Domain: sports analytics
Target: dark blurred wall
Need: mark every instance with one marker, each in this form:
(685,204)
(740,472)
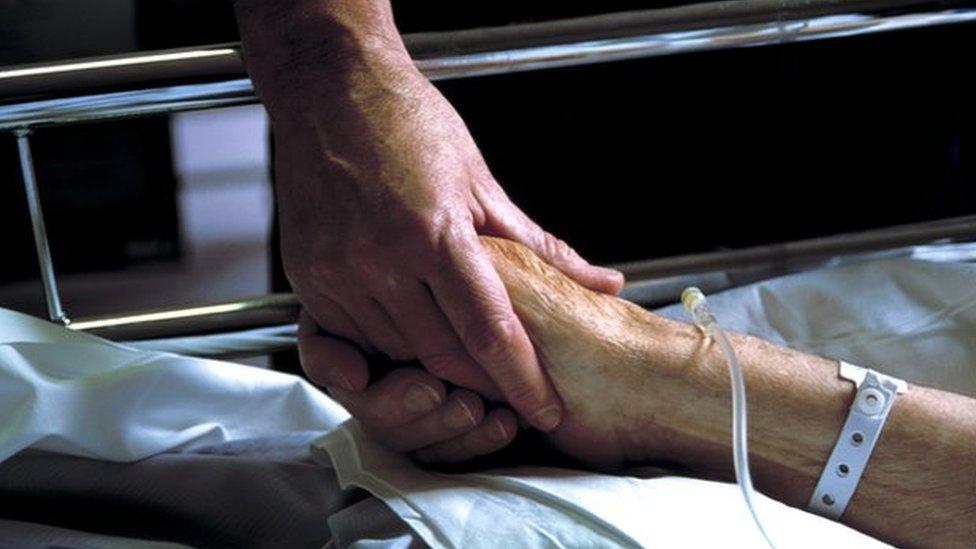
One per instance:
(108,190)
(771,144)
(48,30)
(776,143)
(108,193)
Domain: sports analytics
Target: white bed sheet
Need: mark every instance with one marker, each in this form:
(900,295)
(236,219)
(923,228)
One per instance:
(914,319)
(73,393)
(76,394)
(908,318)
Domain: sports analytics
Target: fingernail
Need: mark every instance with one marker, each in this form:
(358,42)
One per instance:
(459,416)
(338,378)
(420,398)
(612,274)
(547,418)
(497,432)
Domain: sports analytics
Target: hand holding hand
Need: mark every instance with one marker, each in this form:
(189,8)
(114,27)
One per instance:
(383,194)
(408,409)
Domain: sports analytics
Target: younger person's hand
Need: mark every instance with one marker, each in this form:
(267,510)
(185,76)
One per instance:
(408,409)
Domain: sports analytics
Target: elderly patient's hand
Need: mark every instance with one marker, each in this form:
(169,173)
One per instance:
(595,348)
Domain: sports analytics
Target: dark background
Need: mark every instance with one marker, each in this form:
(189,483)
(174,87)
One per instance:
(628,160)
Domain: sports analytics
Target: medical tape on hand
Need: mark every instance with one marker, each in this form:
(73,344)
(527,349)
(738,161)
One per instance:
(875,396)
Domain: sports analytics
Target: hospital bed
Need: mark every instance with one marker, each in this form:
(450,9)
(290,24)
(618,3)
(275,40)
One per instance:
(158,83)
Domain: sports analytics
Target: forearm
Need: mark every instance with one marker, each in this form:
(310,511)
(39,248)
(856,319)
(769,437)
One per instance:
(296,50)
(641,388)
(920,485)
(342,94)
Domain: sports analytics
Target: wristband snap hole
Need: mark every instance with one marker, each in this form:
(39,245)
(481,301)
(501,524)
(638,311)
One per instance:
(857,438)
(843,469)
(871,401)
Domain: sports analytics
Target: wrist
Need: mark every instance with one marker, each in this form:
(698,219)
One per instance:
(363,85)
(796,406)
(673,377)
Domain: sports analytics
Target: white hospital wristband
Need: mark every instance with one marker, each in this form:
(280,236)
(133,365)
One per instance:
(875,395)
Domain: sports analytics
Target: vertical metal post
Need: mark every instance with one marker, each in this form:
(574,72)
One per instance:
(54,310)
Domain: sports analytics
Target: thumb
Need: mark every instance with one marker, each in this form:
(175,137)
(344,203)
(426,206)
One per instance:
(506,220)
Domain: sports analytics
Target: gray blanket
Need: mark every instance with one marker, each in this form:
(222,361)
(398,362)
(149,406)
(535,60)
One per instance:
(252,493)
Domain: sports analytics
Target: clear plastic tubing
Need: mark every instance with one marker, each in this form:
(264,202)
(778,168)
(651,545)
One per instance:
(694,301)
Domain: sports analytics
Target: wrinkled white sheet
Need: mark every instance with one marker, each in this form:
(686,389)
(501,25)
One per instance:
(911,319)
(553,507)
(76,394)
(72,393)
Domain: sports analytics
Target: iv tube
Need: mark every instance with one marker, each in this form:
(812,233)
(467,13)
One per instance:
(694,301)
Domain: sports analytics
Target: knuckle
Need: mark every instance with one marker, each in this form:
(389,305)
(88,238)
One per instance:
(449,233)
(440,364)
(440,221)
(521,394)
(428,232)
(492,342)
(556,248)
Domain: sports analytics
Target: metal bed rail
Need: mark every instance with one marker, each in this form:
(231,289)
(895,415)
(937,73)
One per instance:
(213,76)
(649,282)
(93,90)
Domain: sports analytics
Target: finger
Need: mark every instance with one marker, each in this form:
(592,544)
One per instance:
(505,219)
(494,433)
(432,338)
(329,361)
(462,412)
(377,326)
(400,397)
(332,317)
(475,302)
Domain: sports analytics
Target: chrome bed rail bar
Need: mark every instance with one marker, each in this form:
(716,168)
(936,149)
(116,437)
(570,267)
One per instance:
(797,252)
(89,90)
(92,90)
(239,314)
(649,282)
